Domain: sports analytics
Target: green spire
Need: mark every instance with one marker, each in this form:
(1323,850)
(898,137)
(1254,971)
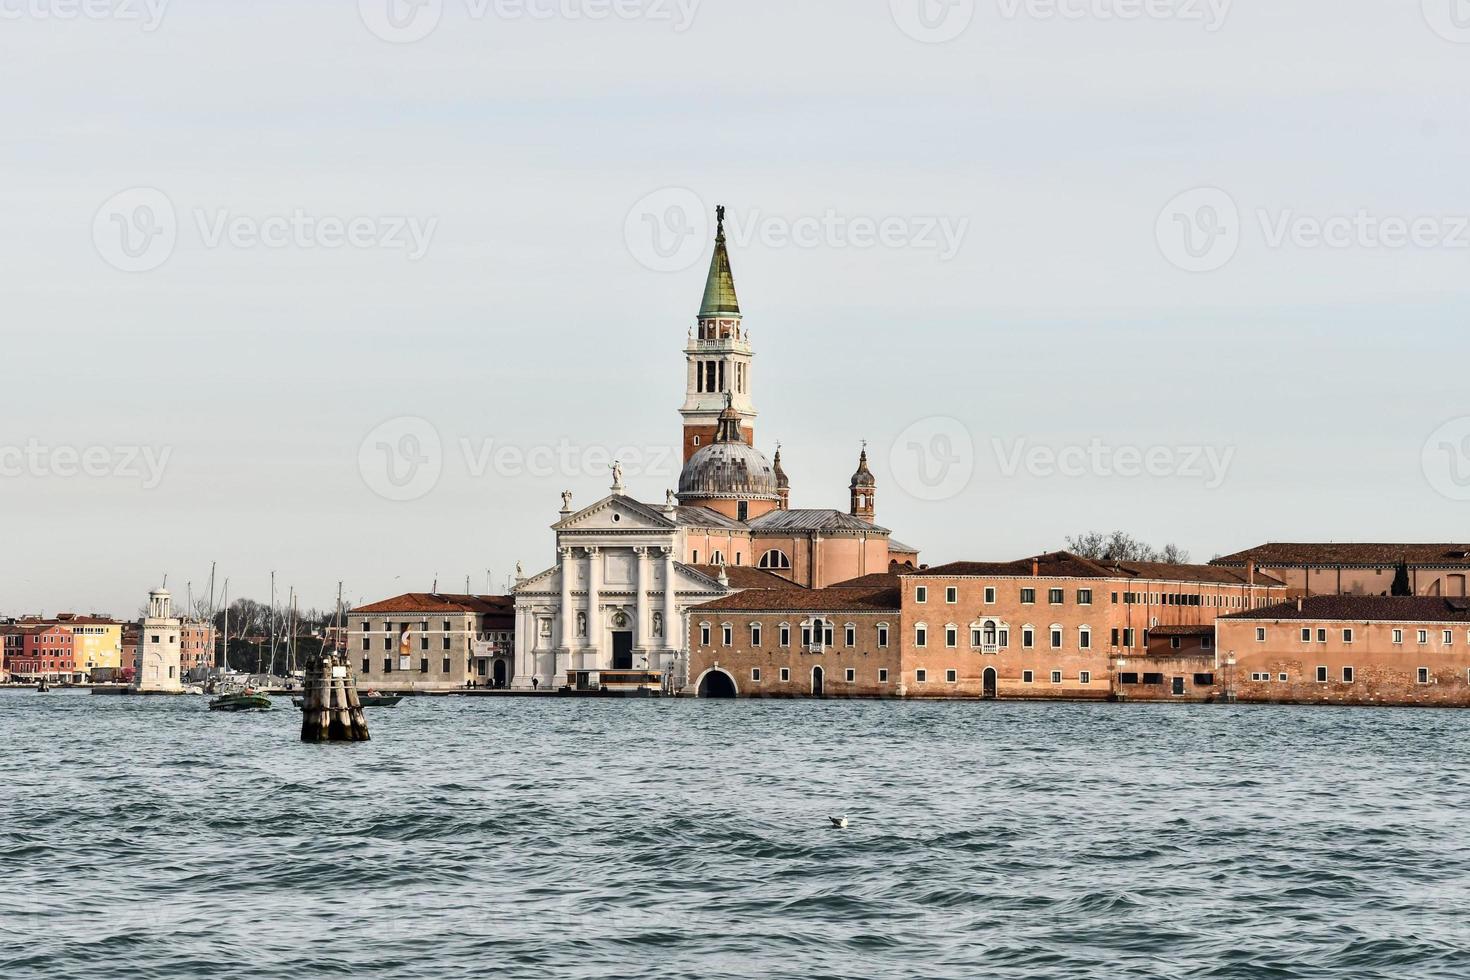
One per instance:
(719,289)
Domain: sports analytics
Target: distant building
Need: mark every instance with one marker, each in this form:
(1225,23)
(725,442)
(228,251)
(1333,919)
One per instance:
(1362,650)
(1359,569)
(41,651)
(428,641)
(196,649)
(159,666)
(97,644)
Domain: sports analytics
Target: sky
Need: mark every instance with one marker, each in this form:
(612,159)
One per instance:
(350,290)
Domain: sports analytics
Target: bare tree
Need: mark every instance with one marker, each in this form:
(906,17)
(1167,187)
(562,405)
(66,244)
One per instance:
(1121,546)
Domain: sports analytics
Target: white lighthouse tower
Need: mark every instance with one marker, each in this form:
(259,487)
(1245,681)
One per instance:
(159,661)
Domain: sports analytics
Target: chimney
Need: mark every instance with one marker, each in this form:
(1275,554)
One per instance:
(1035,567)
(1250,572)
(1298,603)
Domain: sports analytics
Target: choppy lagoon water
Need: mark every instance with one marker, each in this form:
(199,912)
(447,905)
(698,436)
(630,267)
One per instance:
(146,838)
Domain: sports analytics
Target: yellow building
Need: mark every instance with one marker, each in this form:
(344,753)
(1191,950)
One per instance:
(97,643)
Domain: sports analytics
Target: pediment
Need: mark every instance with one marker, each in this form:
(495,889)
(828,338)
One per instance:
(616,513)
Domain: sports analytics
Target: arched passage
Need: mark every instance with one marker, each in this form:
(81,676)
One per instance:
(988,680)
(819,678)
(716,684)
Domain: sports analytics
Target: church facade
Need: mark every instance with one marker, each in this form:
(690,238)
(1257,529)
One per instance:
(611,612)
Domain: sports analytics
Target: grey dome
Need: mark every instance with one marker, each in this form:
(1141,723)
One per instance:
(728,469)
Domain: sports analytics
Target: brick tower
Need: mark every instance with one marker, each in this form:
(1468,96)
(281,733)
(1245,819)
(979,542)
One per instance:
(718,357)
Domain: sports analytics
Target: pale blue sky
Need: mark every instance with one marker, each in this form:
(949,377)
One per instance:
(530,320)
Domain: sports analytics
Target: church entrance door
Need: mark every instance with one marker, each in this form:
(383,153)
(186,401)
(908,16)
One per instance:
(622,658)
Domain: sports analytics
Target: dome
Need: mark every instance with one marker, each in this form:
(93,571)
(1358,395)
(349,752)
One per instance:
(728,469)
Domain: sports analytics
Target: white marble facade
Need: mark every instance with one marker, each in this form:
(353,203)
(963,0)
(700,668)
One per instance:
(606,604)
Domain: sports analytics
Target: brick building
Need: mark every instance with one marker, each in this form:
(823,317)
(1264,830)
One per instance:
(429,641)
(1365,650)
(1359,569)
(42,651)
(794,642)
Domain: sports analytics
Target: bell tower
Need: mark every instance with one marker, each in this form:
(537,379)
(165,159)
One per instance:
(863,490)
(718,357)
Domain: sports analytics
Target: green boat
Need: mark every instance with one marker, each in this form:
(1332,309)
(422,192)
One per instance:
(241,701)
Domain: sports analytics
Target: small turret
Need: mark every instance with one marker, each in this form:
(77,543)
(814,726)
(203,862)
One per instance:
(783,485)
(863,490)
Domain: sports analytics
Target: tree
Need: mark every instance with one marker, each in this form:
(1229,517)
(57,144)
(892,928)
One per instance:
(1120,546)
(1401,583)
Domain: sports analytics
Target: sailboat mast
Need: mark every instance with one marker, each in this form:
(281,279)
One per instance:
(225,653)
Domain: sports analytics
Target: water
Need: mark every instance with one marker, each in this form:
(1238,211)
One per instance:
(147,838)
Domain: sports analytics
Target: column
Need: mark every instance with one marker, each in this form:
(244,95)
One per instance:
(566,619)
(592,645)
(671,642)
(641,582)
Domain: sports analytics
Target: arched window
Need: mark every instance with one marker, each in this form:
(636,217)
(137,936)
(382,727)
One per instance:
(775,559)
(718,558)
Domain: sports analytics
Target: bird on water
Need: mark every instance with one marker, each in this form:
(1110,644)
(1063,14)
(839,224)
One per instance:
(839,822)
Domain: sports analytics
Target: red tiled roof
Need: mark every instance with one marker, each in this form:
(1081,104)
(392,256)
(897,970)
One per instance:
(1167,631)
(425,602)
(1362,608)
(877,580)
(797,600)
(1062,564)
(745,577)
(1349,553)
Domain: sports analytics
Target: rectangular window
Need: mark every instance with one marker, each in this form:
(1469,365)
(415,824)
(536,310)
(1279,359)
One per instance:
(951,676)
(1084,597)
(1306,635)
(921,636)
(727,634)
(1056,638)
(1128,637)
(882,636)
(951,637)
(1128,678)
(990,595)
(785,674)
(1347,635)
(445,669)
(704,633)
(1114,638)
(423,665)
(1005,638)
(1398,636)
(755,675)
(1028,596)
(1423,636)
(447,627)
(755,634)
(1054,596)
(387,665)
(387,643)
(1056,677)
(1084,639)
(1449,638)
(882,675)
(1153,678)
(785,635)
(851,675)
(367,644)
(1260,634)
(974,636)
(423,643)
(366,665)
(849,635)
(1085,677)
(1173,643)
(1321,675)
(921,676)
(446,643)
(1283,678)
(1028,677)
(1206,680)
(1347,675)
(951,595)
(1321,636)
(1423,675)
(1028,638)
(921,593)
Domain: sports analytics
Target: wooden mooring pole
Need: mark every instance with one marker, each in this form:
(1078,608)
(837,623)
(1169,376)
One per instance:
(331,711)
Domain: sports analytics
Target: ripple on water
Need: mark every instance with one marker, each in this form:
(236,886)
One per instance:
(678,839)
